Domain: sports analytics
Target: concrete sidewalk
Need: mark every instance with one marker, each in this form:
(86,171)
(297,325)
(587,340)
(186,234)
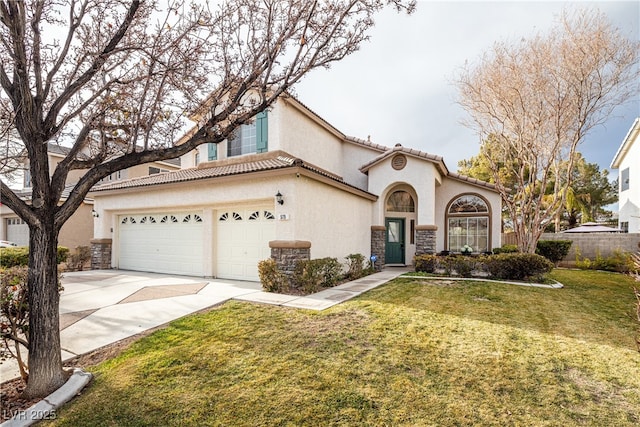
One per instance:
(100,307)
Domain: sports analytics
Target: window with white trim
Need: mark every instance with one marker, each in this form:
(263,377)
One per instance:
(468,224)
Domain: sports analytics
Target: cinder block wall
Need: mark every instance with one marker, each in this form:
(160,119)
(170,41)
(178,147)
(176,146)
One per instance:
(592,244)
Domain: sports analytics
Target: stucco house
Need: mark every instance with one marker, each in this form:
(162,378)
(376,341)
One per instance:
(290,186)
(627,161)
(78,230)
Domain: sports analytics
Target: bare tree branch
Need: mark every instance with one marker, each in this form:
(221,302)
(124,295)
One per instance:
(539,98)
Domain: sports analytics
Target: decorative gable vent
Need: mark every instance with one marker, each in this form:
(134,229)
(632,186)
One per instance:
(399,161)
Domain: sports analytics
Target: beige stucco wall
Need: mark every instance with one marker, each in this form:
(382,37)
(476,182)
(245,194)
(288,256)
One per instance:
(311,211)
(451,189)
(336,222)
(353,158)
(302,137)
(78,230)
(420,175)
(306,137)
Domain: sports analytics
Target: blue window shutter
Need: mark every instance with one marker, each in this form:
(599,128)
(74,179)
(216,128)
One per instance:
(213,151)
(262,131)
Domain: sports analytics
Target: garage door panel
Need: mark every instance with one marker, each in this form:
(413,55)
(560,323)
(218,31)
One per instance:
(17,231)
(162,243)
(243,237)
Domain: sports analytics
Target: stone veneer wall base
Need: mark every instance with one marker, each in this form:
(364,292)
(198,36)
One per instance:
(426,239)
(378,233)
(101,254)
(287,252)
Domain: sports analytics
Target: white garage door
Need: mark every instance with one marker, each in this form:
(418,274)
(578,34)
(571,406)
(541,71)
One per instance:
(243,237)
(17,231)
(162,243)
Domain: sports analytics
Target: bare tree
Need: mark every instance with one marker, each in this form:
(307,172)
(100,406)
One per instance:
(537,99)
(116,82)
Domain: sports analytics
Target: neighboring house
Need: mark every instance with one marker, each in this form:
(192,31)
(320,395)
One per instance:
(291,186)
(78,230)
(627,161)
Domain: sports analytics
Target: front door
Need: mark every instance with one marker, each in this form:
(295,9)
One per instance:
(394,244)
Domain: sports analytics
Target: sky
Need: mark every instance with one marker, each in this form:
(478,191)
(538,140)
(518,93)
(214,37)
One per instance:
(398,88)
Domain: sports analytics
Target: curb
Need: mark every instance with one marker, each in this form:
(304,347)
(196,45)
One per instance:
(46,408)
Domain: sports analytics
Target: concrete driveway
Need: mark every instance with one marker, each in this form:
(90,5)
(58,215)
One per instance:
(100,307)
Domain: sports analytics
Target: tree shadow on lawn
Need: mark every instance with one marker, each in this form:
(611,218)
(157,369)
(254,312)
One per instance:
(599,311)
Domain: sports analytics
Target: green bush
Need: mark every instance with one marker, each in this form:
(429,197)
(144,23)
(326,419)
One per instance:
(553,250)
(13,257)
(310,276)
(620,262)
(517,266)
(272,279)
(451,264)
(506,249)
(462,265)
(425,263)
(63,254)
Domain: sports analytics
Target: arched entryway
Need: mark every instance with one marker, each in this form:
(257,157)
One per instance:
(400,222)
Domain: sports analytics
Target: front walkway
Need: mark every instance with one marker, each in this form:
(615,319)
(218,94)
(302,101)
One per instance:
(100,307)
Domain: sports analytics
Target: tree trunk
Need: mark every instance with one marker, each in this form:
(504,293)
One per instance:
(45,362)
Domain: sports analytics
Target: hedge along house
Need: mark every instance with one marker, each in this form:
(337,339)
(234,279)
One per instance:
(290,186)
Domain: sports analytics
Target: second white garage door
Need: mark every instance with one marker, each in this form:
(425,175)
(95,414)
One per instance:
(18,231)
(243,237)
(162,243)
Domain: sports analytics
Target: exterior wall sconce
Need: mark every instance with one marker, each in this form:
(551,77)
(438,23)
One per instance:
(279,198)
(94,213)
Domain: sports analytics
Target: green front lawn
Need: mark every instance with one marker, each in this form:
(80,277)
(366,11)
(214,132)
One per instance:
(412,352)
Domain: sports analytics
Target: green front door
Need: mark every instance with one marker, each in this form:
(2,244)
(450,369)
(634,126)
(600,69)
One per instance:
(394,241)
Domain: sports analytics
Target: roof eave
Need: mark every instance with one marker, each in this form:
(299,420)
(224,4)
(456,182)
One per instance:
(626,144)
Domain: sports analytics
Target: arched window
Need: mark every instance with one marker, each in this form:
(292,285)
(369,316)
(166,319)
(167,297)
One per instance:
(400,201)
(468,224)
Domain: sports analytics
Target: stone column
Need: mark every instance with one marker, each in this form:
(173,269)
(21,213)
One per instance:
(426,239)
(378,233)
(101,254)
(287,252)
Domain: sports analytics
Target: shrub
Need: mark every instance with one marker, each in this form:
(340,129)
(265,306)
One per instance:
(14,315)
(12,257)
(355,266)
(310,276)
(553,250)
(518,266)
(272,279)
(620,262)
(425,263)
(63,254)
(79,258)
(460,265)
(463,266)
(506,249)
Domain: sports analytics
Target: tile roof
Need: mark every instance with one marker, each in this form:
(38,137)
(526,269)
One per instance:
(473,181)
(228,167)
(26,194)
(429,157)
(198,173)
(413,152)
